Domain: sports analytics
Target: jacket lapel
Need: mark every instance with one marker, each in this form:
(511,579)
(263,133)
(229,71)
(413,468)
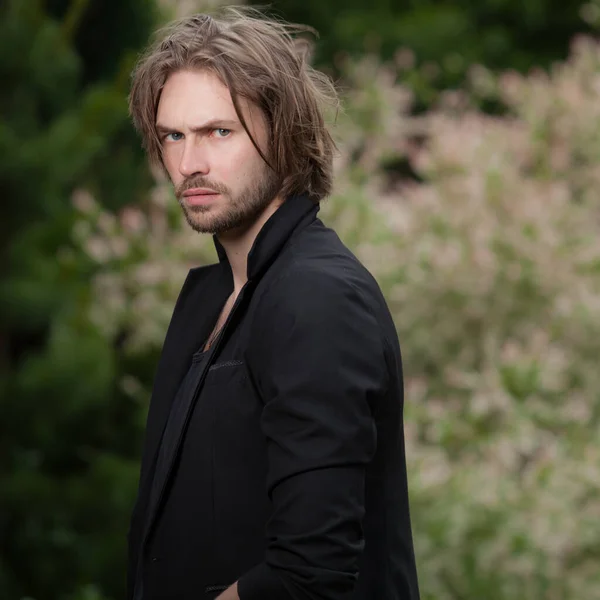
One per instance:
(196,310)
(175,431)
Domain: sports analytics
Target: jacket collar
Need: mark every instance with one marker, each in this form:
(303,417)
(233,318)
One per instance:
(275,233)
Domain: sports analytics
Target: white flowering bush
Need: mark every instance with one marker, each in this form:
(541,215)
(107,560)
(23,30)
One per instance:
(483,233)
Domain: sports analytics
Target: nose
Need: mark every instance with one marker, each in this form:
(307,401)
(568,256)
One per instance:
(193,159)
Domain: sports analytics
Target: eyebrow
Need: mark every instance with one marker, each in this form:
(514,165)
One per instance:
(213,124)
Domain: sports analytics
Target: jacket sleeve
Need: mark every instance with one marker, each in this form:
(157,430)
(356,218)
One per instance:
(317,359)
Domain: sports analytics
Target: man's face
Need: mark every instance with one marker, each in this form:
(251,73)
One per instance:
(220,179)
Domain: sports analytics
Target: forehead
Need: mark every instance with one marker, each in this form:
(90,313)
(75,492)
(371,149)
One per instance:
(193,97)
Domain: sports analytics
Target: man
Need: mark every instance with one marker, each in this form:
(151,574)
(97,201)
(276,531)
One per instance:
(274,465)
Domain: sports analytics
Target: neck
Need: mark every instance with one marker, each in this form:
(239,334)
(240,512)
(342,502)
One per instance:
(238,243)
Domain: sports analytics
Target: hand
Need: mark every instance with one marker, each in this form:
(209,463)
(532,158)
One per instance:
(230,593)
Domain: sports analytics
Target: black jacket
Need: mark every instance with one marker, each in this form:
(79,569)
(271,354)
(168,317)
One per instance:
(283,464)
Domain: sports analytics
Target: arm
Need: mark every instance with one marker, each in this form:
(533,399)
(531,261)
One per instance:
(317,360)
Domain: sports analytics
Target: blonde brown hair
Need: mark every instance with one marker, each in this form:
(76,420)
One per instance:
(258,59)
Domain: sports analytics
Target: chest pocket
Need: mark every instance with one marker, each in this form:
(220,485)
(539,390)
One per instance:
(232,399)
(221,371)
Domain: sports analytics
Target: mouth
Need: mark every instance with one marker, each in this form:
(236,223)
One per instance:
(200,192)
(197,196)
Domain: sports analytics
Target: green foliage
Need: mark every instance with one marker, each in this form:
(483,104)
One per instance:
(443,39)
(69,435)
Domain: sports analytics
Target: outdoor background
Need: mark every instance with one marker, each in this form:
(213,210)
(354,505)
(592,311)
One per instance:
(468,181)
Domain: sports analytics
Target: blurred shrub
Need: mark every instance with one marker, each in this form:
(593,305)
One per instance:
(492,273)
(484,238)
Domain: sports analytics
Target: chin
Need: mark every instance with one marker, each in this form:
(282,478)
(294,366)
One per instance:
(207,225)
(219,222)
(205,228)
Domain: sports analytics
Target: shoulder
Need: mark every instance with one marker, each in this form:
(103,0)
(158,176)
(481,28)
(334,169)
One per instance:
(316,285)
(318,282)
(317,259)
(321,324)
(319,298)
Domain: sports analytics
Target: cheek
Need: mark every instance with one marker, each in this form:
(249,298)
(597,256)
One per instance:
(238,166)
(171,161)
(251,164)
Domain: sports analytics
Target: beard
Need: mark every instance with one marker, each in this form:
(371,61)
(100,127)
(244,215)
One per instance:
(231,211)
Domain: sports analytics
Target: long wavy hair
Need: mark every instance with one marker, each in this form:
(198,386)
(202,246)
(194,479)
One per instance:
(263,61)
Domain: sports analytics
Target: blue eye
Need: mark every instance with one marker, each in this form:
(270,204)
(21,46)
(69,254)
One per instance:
(174,136)
(222,132)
